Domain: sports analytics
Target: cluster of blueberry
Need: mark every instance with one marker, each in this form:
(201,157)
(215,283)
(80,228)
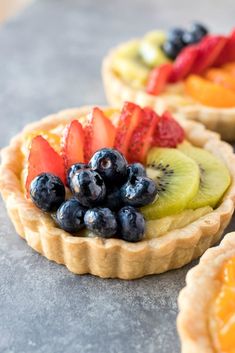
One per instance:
(179,38)
(105,193)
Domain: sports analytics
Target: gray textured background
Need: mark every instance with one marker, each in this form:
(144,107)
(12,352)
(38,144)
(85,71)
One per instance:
(50,58)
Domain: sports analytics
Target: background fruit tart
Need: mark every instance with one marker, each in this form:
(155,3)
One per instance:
(190,71)
(118,193)
(207,304)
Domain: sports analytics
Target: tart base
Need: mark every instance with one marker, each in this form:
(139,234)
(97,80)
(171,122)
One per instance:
(112,257)
(202,285)
(220,120)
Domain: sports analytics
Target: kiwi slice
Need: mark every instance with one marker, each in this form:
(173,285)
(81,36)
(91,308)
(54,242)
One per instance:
(158,227)
(177,177)
(214,177)
(150,49)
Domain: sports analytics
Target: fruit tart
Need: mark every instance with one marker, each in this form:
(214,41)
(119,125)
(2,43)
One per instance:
(206,321)
(188,71)
(118,193)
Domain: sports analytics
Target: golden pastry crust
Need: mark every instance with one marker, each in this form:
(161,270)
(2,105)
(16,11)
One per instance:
(202,285)
(113,257)
(221,120)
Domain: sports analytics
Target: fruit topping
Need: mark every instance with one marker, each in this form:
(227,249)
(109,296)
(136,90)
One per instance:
(209,93)
(110,164)
(183,64)
(158,79)
(73,169)
(88,187)
(43,159)
(179,38)
(47,192)
(131,224)
(172,49)
(70,216)
(177,178)
(73,144)
(113,198)
(168,132)
(158,227)
(150,49)
(141,138)
(130,117)
(230,68)
(100,133)
(101,221)
(208,50)
(195,34)
(227,54)
(136,169)
(138,191)
(221,77)
(212,173)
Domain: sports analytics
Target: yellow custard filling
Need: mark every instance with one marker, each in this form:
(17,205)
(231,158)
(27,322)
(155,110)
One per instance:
(223,312)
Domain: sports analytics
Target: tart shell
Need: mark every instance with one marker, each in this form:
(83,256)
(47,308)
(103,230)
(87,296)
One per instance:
(221,120)
(202,285)
(112,257)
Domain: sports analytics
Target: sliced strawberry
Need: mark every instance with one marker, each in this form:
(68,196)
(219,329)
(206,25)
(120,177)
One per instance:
(99,133)
(130,117)
(208,50)
(158,79)
(73,144)
(183,63)
(88,132)
(141,138)
(227,54)
(168,132)
(43,159)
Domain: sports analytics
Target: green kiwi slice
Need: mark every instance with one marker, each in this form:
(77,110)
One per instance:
(177,177)
(214,177)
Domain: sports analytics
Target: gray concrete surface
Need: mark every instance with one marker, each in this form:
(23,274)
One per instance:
(50,58)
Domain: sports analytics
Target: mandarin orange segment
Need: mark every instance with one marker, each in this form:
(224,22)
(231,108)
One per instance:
(208,93)
(221,77)
(225,304)
(225,309)
(230,67)
(227,336)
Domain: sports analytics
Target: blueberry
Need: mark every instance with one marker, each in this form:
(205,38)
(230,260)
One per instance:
(190,38)
(136,169)
(113,199)
(138,191)
(73,169)
(70,216)
(131,224)
(110,164)
(47,192)
(172,49)
(88,187)
(101,221)
(175,35)
(199,29)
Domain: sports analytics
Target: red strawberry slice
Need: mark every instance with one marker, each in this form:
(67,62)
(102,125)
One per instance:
(43,159)
(168,132)
(227,54)
(158,79)
(99,133)
(141,139)
(208,50)
(183,63)
(73,144)
(130,117)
